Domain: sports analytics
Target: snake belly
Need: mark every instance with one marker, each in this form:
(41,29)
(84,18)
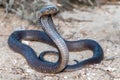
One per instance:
(80,45)
(15,44)
(52,37)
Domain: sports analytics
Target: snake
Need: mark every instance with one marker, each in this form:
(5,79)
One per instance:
(51,37)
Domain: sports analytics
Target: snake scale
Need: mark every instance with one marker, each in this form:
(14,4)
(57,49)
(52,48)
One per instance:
(51,37)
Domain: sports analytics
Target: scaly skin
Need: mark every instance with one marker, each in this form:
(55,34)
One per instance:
(45,21)
(41,65)
(52,37)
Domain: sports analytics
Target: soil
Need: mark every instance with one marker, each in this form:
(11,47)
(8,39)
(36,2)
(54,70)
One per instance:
(100,24)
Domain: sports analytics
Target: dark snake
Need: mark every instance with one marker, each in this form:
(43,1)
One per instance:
(52,37)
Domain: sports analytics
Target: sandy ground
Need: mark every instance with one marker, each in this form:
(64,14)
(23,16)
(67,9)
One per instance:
(100,24)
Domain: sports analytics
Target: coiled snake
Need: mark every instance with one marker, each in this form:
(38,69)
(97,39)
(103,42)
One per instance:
(52,37)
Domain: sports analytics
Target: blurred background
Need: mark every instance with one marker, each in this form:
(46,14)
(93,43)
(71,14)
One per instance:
(98,20)
(27,9)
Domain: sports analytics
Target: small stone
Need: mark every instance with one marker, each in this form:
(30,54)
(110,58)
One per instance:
(29,71)
(25,42)
(65,77)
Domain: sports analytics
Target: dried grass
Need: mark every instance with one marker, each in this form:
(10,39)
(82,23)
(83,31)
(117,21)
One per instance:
(27,9)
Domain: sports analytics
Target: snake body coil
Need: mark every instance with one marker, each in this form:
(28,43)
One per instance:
(52,37)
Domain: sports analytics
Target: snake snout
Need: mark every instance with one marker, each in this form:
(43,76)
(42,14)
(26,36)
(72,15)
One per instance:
(49,10)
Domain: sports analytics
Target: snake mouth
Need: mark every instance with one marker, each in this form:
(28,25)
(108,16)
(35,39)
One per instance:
(48,10)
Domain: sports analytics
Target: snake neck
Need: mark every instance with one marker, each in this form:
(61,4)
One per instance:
(48,26)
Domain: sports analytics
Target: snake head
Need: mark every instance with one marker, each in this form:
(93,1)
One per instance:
(48,10)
